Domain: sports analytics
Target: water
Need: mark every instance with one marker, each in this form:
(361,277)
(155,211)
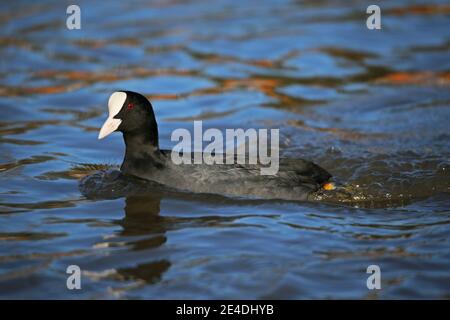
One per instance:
(372,107)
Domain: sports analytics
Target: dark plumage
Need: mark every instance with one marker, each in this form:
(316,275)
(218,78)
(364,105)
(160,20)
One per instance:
(132,114)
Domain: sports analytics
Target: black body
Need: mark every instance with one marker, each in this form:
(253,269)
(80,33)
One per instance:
(296,178)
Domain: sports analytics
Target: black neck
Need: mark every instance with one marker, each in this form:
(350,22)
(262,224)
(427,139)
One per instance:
(142,150)
(141,139)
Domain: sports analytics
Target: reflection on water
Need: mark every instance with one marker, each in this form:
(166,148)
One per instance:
(372,107)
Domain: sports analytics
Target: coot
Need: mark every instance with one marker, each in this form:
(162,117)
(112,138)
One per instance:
(132,114)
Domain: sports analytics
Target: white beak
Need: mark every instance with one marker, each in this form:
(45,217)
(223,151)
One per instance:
(109,127)
(115,103)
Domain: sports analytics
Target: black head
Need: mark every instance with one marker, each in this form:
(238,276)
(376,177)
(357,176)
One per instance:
(132,114)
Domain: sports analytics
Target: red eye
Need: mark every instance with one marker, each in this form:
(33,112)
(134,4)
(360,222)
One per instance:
(130,106)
